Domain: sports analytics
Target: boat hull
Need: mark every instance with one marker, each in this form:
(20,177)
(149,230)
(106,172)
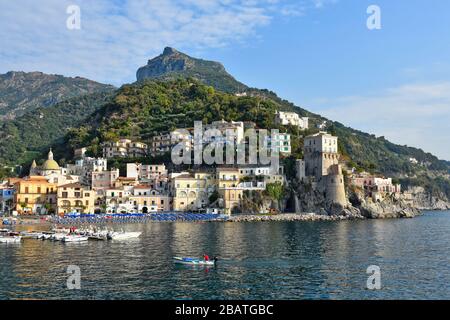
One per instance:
(10,239)
(75,239)
(193,261)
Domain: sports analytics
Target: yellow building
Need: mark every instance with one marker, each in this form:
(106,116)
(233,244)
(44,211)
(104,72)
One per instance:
(73,197)
(145,200)
(228,186)
(35,195)
(191,191)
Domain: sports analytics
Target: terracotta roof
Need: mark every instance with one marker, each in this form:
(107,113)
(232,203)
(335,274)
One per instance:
(126,178)
(141,186)
(185,176)
(71,185)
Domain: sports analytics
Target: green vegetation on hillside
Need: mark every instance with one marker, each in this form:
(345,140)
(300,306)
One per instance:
(21,92)
(29,136)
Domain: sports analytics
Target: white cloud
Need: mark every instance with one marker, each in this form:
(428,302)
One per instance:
(414,114)
(117,37)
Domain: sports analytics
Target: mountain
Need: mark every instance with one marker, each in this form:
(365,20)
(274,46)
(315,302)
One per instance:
(172,91)
(25,91)
(172,63)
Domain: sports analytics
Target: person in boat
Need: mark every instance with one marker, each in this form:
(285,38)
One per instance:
(205,257)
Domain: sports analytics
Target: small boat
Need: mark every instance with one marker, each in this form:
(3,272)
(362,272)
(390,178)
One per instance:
(74,238)
(31,235)
(10,237)
(102,235)
(194,261)
(58,236)
(123,235)
(47,235)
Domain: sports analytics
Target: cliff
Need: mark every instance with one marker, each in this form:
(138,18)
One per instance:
(309,199)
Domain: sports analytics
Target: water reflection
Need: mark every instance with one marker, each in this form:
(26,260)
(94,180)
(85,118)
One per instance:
(320,260)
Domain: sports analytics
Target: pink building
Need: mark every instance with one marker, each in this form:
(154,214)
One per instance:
(104,179)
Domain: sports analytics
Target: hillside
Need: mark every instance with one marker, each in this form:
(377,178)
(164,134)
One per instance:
(21,91)
(30,135)
(141,110)
(172,64)
(174,90)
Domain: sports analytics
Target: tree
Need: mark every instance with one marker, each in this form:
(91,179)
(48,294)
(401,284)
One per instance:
(214,196)
(276,192)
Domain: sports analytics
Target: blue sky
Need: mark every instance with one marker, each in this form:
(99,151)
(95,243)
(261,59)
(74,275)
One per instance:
(317,53)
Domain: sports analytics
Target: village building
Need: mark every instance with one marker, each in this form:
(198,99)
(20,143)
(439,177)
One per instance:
(124,148)
(321,167)
(74,197)
(117,200)
(146,199)
(192,191)
(155,175)
(375,187)
(6,197)
(104,179)
(224,130)
(278,142)
(291,118)
(164,142)
(34,195)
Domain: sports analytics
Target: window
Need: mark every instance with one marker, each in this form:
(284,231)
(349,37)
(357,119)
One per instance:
(65,195)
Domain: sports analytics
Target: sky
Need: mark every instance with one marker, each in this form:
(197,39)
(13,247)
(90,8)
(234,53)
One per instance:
(319,54)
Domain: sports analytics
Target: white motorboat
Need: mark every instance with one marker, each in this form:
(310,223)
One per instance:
(101,235)
(123,235)
(47,235)
(58,236)
(31,235)
(10,238)
(74,238)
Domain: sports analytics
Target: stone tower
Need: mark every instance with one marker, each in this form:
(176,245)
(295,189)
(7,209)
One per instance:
(321,152)
(334,186)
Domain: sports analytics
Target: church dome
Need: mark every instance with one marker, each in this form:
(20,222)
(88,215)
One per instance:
(50,164)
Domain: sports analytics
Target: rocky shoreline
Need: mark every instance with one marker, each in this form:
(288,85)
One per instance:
(289,217)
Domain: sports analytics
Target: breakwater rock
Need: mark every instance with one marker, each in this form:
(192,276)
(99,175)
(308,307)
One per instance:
(289,217)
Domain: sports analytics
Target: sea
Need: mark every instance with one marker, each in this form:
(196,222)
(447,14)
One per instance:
(405,258)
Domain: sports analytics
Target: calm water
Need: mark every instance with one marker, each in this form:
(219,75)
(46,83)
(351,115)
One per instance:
(292,260)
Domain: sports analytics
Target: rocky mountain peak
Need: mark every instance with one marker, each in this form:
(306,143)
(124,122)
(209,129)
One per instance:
(168,51)
(173,63)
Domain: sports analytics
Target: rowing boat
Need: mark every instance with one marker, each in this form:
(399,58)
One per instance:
(193,261)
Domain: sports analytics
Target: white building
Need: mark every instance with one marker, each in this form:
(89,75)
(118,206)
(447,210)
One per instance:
(164,142)
(154,175)
(280,143)
(320,153)
(85,167)
(233,128)
(124,148)
(291,118)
